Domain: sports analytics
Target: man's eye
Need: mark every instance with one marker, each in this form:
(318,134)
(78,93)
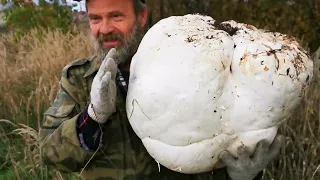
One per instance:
(95,19)
(117,17)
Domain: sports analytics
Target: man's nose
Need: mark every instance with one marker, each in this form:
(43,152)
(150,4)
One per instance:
(106,27)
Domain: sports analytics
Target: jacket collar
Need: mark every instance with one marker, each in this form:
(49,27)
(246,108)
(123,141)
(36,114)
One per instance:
(94,66)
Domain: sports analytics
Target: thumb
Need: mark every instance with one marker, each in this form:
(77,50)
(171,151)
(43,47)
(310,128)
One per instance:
(226,157)
(276,146)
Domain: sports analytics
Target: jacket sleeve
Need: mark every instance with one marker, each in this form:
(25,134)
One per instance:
(59,141)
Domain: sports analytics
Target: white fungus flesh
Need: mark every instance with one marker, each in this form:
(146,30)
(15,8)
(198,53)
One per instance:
(197,88)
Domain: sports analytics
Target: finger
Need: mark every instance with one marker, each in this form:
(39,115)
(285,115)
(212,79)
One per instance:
(227,158)
(243,153)
(101,72)
(108,89)
(111,53)
(111,67)
(275,147)
(102,69)
(105,81)
(261,151)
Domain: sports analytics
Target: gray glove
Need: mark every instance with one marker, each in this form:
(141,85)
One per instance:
(103,90)
(247,168)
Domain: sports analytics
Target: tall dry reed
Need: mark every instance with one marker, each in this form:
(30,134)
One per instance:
(300,157)
(29,74)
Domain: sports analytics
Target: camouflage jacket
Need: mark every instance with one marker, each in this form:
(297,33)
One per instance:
(122,156)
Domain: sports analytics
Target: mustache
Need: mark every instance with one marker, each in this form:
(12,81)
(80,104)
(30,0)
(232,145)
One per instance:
(113,36)
(128,44)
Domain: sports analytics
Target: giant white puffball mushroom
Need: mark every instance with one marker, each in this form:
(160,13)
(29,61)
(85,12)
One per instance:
(197,88)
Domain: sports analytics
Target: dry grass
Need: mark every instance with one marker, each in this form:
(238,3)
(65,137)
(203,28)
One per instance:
(300,157)
(29,74)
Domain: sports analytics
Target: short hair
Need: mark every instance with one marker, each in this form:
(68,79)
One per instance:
(138,5)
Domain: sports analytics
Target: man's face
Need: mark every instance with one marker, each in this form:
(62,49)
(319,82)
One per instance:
(114,23)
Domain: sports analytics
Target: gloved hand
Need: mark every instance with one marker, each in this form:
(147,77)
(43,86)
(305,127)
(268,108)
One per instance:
(103,90)
(246,168)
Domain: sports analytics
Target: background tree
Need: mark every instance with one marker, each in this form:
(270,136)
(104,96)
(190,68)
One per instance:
(26,16)
(299,18)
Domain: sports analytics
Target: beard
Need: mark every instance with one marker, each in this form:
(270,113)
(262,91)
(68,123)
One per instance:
(128,44)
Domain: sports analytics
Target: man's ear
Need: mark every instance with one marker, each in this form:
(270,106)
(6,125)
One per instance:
(144,16)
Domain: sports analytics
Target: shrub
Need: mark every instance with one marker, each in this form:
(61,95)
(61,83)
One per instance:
(26,16)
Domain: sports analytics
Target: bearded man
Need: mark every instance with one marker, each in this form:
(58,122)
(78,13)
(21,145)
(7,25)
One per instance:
(86,128)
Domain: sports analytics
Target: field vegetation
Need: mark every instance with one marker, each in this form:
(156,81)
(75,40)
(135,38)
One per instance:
(33,55)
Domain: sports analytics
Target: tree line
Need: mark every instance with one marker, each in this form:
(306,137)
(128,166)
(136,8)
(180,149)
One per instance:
(299,18)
